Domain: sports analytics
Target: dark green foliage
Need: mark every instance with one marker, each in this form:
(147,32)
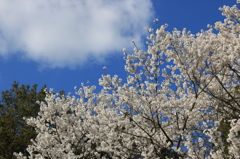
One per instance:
(16,103)
(224,129)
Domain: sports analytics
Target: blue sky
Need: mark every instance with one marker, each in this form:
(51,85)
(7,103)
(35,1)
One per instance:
(62,43)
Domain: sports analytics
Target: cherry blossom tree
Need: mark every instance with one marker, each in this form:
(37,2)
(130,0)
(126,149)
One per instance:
(176,96)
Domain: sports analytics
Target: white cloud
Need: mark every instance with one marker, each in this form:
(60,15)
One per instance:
(60,33)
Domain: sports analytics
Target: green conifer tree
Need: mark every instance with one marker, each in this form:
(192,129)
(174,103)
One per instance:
(16,103)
